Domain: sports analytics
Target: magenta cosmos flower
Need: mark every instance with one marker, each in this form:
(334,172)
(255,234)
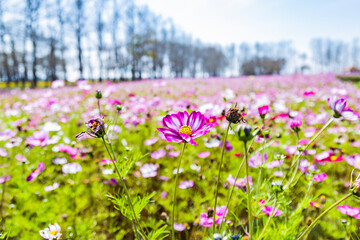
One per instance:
(338,105)
(182,127)
(351,211)
(263,110)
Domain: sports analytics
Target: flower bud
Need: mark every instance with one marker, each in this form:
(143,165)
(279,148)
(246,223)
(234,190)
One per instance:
(235,237)
(98,94)
(263,111)
(277,187)
(295,125)
(355,188)
(246,133)
(217,236)
(118,108)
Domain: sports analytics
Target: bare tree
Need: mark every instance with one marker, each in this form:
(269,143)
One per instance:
(79,25)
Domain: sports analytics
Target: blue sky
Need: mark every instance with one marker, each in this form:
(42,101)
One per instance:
(227,21)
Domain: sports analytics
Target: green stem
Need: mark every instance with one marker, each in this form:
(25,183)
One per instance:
(297,159)
(231,191)
(248,192)
(233,186)
(269,219)
(218,178)
(322,214)
(2,201)
(174,196)
(113,159)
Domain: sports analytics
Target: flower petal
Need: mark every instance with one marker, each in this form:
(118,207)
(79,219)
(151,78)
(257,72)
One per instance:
(202,131)
(170,135)
(350,115)
(196,121)
(172,121)
(188,139)
(183,116)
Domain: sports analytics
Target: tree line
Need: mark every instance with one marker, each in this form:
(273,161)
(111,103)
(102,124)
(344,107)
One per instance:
(120,40)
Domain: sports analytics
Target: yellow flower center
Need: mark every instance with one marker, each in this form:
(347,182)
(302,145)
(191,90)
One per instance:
(333,158)
(95,125)
(53,232)
(185,129)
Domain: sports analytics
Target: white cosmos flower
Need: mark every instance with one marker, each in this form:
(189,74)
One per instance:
(52,232)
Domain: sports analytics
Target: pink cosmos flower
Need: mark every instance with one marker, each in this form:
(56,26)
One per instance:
(149,170)
(39,138)
(316,204)
(240,182)
(257,160)
(320,177)
(3,152)
(158,154)
(179,227)
(4,179)
(338,105)
(150,141)
(163,194)
(20,158)
(268,210)
(182,127)
(186,184)
(275,163)
(206,219)
(295,124)
(36,172)
(263,111)
(351,211)
(51,187)
(203,154)
(71,168)
(174,153)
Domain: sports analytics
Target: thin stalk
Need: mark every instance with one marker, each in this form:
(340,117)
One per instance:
(233,186)
(218,178)
(232,190)
(322,214)
(113,159)
(248,192)
(2,201)
(297,159)
(269,219)
(174,197)
(98,103)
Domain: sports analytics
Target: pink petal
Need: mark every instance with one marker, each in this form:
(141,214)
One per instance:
(188,139)
(204,130)
(170,135)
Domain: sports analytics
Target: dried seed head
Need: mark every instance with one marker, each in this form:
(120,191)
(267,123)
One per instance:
(234,115)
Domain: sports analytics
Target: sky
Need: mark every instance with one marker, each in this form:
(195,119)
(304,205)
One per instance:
(235,21)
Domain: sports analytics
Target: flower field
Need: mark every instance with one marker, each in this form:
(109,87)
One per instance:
(277,156)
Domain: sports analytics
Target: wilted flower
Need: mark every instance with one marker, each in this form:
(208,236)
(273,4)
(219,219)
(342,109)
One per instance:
(181,127)
(234,115)
(355,188)
(96,128)
(52,232)
(340,110)
(36,172)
